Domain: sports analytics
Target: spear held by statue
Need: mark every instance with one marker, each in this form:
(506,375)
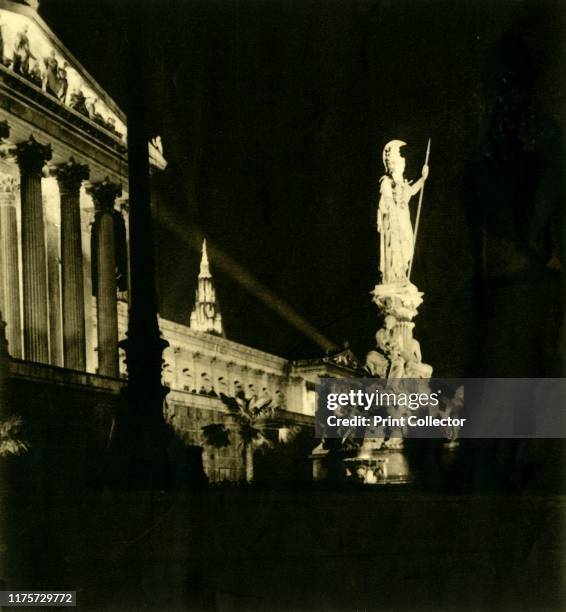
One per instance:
(419,210)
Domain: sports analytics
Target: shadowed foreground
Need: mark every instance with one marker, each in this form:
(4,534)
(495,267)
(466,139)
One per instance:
(249,549)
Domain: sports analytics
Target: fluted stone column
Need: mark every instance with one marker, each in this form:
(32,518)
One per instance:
(31,157)
(104,194)
(54,290)
(70,177)
(87,221)
(9,264)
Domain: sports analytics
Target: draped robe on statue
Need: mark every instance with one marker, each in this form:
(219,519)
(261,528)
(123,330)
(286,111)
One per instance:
(395,230)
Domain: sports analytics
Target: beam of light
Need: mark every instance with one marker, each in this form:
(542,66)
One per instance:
(246,280)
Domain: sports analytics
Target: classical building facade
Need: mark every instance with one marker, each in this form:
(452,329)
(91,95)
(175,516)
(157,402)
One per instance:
(201,365)
(63,192)
(64,266)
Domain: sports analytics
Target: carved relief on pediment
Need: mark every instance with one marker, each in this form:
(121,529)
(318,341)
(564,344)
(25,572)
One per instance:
(26,51)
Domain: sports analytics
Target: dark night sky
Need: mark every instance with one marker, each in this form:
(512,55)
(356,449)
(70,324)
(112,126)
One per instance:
(273,117)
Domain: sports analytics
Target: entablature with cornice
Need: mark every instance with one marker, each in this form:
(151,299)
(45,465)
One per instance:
(182,336)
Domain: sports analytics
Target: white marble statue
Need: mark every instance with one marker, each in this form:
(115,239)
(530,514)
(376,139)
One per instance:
(393,216)
(376,364)
(385,337)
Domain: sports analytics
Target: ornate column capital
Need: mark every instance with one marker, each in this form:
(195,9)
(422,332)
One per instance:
(9,186)
(32,155)
(104,194)
(70,176)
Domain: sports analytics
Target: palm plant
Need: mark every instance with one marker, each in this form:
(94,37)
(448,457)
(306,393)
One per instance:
(246,413)
(11,442)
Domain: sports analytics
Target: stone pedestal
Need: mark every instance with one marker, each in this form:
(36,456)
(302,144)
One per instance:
(397,355)
(397,350)
(31,157)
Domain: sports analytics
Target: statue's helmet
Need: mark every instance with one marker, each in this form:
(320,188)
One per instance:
(392,151)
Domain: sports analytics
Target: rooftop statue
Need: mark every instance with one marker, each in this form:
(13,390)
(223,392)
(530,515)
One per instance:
(27,51)
(22,52)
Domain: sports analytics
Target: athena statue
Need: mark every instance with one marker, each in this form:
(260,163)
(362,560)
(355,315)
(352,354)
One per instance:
(393,215)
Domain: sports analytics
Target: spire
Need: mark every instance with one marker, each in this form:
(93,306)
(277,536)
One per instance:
(204,266)
(206,316)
